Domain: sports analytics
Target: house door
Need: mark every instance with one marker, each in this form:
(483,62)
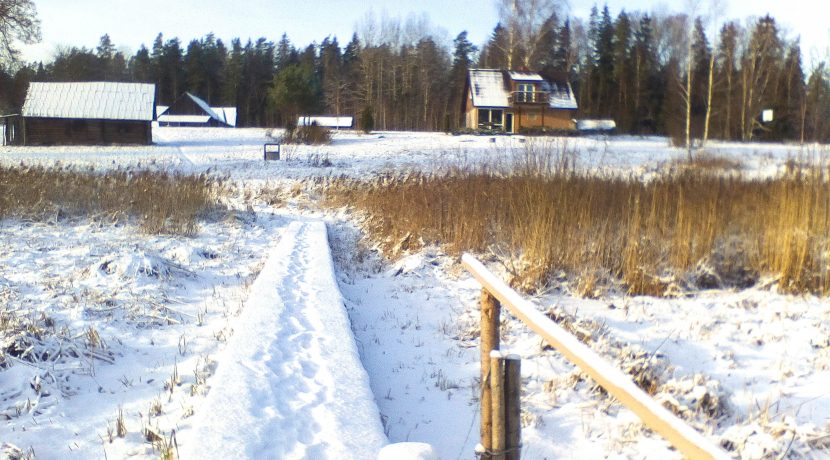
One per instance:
(508,122)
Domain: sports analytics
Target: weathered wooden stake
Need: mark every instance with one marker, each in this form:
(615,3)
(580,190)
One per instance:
(490,313)
(497,405)
(513,406)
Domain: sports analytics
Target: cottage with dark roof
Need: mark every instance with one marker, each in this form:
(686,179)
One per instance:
(514,101)
(92,113)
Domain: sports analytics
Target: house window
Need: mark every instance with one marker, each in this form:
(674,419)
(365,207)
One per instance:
(526,93)
(490,119)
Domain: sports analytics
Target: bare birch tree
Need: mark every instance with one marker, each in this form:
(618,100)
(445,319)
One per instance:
(712,20)
(18,23)
(526,21)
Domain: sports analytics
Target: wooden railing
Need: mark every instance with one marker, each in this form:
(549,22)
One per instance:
(496,293)
(529,97)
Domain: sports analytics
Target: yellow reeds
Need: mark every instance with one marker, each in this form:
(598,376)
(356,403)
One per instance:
(643,233)
(161,202)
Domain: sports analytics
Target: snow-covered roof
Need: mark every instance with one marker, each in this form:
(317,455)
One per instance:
(560,96)
(488,88)
(525,76)
(228,114)
(205,107)
(326,121)
(91,100)
(224,115)
(184,118)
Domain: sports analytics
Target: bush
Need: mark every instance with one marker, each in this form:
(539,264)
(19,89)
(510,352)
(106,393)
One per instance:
(367,120)
(546,131)
(313,134)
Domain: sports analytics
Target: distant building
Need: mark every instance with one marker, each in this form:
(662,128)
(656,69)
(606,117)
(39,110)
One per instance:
(599,126)
(95,113)
(326,121)
(514,101)
(192,111)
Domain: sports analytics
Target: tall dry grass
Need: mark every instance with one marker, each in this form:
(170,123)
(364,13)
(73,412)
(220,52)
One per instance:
(159,201)
(692,225)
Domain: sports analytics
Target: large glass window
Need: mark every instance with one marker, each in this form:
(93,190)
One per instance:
(526,93)
(490,119)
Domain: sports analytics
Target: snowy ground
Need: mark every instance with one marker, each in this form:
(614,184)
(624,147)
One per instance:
(170,330)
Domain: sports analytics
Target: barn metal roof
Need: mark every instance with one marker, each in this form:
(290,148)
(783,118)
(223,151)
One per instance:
(91,100)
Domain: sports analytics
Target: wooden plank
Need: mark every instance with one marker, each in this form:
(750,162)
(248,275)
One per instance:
(687,440)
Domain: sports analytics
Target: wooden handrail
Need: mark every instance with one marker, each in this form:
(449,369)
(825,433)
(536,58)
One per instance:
(683,437)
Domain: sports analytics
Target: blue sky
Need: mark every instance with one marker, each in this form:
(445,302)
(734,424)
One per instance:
(130,23)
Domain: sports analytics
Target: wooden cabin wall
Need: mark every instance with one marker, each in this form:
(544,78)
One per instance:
(57,131)
(552,119)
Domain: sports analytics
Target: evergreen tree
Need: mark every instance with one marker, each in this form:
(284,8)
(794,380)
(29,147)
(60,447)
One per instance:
(141,66)
(701,53)
(494,55)
(727,100)
(563,60)
(462,60)
(294,92)
(789,104)
(646,77)
(622,73)
(817,105)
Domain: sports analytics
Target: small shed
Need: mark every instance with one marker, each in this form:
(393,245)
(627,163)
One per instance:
(326,121)
(192,111)
(90,113)
(600,126)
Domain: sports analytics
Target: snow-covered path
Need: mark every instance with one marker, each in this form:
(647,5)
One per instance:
(290,383)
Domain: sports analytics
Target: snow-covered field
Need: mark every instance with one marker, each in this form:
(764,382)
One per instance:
(234,343)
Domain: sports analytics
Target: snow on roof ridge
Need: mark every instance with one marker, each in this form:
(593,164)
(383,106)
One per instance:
(90,100)
(487,87)
(204,106)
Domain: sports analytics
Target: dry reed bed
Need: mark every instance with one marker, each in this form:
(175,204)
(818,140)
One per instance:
(161,202)
(689,226)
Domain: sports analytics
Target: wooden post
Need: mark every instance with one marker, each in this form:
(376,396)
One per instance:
(497,405)
(490,313)
(513,406)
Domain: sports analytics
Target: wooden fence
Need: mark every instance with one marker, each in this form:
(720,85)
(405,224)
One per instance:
(495,442)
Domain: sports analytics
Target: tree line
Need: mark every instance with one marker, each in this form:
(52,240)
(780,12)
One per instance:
(687,75)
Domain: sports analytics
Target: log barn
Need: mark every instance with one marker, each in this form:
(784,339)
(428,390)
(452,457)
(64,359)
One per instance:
(90,113)
(517,101)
